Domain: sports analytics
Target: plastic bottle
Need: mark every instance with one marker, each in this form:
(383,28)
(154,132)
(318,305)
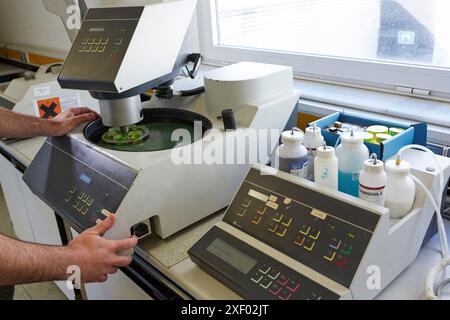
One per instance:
(400,188)
(352,154)
(372,181)
(313,140)
(292,156)
(326,167)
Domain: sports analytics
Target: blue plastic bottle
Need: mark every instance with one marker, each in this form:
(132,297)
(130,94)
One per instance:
(351,155)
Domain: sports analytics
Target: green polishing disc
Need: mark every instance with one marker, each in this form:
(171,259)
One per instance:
(159,137)
(132,135)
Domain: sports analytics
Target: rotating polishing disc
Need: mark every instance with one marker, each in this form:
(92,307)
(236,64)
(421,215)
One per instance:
(126,136)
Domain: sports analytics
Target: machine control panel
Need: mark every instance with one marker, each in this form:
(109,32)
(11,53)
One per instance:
(101,45)
(251,273)
(79,183)
(319,231)
(316,238)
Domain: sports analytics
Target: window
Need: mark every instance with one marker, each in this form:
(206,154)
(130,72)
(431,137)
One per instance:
(394,44)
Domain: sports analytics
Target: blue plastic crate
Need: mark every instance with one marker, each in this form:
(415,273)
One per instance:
(413,134)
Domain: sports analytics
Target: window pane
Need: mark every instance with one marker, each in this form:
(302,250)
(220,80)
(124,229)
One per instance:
(410,31)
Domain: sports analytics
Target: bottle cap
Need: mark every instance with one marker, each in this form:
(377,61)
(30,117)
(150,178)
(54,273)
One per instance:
(352,139)
(326,152)
(373,164)
(313,131)
(398,166)
(382,137)
(368,137)
(378,129)
(293,136)
(395,131)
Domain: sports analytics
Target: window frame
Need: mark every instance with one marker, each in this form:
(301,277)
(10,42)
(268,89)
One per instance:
(390,76)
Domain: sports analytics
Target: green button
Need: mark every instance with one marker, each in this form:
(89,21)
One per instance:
(348,251)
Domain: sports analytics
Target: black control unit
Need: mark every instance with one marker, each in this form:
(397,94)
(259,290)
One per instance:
(99,49)
(321,232)
(79,183)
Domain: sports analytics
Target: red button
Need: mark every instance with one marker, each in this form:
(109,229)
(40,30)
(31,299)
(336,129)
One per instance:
(293,286)
(283,281)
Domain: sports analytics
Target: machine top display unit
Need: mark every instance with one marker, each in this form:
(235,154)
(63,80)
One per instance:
(128,48)
(120,53)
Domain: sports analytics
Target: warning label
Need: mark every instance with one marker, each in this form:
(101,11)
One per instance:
(49,108)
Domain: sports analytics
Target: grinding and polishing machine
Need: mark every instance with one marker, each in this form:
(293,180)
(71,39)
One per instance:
(170,166)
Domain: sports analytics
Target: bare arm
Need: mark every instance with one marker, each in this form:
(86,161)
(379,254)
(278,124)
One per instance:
(15,125)
(96,257)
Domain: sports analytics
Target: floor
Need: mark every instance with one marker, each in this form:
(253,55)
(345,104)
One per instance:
(39,291)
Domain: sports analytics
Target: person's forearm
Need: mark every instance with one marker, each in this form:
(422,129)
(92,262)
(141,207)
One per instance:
(15,125)
(22,262)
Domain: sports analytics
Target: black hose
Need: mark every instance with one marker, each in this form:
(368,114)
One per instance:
(192,92)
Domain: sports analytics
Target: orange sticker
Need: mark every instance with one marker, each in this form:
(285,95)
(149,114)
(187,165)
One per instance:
(49,108)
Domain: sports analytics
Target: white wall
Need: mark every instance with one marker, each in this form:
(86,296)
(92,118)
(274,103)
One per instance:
(27,23)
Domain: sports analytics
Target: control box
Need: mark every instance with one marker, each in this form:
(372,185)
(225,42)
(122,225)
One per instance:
(127,50)
(283,238)
(80,184)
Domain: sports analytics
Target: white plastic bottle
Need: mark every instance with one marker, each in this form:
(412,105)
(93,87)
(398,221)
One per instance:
(400,188)
(326,167)
(352,154)
(292,156)
(372,181)
(313,140)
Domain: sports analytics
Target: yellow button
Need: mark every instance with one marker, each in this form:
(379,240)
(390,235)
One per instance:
(287,224)
(257,220)
(319,214)
(311,247)
(272,205)
(315,237)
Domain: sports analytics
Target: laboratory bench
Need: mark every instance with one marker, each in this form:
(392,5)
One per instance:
(162,269)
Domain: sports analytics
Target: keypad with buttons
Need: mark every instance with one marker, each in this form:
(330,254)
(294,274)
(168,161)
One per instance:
(312,236)
(268,279)
(306,230)
(93,45)
(72,188)
(80,201)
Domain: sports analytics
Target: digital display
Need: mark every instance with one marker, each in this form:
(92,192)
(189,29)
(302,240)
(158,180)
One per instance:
(86,179)
(96,29)
(234,257)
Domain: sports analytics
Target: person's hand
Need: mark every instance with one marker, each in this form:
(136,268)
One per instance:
(97,257)
(68,120)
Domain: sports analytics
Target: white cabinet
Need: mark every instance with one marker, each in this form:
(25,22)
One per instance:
(10,180)
(34,221)
(118,287)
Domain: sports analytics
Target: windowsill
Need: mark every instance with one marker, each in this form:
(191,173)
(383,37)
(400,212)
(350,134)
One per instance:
(323,99)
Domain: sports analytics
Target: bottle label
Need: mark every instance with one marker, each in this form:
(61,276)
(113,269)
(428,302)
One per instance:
(373,195)
(300,169)
(325,174)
